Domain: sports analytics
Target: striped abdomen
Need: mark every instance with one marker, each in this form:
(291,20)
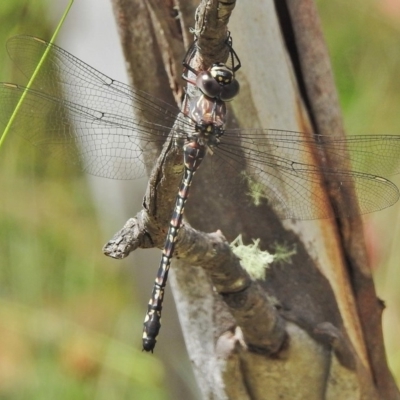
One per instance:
(193,155)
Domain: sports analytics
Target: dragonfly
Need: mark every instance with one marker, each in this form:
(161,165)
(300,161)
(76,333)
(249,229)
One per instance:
(110,129)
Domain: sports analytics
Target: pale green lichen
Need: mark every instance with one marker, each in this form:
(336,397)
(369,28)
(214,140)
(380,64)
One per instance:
(256,189)
(283,253)
(256,261)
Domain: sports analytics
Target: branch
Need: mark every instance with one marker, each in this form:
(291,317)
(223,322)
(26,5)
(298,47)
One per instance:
(319,342)
(319,83)
(246,301)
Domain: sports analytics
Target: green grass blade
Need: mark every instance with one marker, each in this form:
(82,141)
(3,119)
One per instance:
(37,69)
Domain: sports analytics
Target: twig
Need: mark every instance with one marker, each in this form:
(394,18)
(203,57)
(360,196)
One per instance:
(263,329)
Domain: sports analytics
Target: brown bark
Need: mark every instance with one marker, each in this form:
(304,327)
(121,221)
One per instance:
(333,346)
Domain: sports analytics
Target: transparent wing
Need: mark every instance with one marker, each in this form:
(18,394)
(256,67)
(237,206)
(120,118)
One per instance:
(101,143)
(80,114)
(82,83)
(281,167)
(108,127)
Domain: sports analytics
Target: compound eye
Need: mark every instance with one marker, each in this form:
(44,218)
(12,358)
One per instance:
(207,84)
(230,90)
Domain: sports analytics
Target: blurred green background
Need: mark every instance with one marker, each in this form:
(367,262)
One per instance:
(67,317)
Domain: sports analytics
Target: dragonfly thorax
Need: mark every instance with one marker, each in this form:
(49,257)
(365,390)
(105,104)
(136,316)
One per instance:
(208,114)
(207,135)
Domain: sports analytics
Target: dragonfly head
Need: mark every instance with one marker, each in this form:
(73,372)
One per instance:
(219,82)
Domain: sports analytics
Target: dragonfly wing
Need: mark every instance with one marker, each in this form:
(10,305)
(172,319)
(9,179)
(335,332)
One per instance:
(282,168)
(371,154)
(62,74)
(90,118)
(102,144)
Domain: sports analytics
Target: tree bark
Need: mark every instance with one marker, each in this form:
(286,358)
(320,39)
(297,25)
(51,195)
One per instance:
(311,329)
